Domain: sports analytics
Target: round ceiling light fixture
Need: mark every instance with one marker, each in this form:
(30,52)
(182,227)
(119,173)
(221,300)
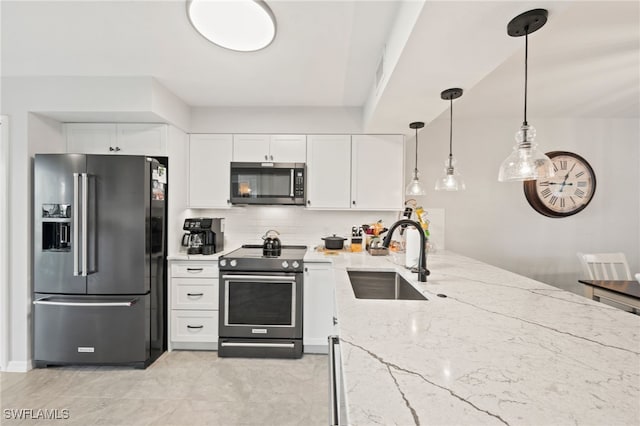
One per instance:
(240,25)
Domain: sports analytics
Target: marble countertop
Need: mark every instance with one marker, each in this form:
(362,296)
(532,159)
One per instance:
(499,349)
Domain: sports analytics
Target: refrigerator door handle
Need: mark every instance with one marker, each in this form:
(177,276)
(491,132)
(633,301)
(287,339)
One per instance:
(85,218)
(47,301)
(76,251)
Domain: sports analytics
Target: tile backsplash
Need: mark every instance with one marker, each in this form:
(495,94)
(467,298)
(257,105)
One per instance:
(299,225)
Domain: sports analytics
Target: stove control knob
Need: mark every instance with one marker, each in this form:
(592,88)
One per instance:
(285,264)
(223,262)
(295,264)
(233,262)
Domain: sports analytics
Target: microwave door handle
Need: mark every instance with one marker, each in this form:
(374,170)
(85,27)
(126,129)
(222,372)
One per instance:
(291,187)
(76,248)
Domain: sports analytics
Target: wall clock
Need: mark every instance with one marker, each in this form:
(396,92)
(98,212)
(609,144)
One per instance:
(568,192)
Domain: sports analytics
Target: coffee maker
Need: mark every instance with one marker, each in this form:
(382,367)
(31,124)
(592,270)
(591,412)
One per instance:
(205,235)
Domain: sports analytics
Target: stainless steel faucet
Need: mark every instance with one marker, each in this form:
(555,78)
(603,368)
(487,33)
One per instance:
(423,272)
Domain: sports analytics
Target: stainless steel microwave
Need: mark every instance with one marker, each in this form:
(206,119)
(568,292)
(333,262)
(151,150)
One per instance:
(268,183)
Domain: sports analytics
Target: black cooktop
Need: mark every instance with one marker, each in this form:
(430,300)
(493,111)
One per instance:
(252,258)
(256,251)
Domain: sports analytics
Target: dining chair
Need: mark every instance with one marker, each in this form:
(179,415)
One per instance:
(605,266)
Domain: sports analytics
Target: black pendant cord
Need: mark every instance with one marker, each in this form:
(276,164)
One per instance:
(526,56)
(416,169)
(450,132)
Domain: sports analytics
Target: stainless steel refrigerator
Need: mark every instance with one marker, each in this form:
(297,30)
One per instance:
(99,264)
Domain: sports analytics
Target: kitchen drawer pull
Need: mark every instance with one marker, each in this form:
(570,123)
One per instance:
(195,294)
(195,326)
(195,269)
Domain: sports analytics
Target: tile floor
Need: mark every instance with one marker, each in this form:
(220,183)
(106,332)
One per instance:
(180,388)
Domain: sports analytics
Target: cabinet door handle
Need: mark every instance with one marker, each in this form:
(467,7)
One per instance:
(195,326)
(353,202)
(117,148)
(195,294)
(195,269)
(111,148)
(266,157)
(308,202)
(271,157)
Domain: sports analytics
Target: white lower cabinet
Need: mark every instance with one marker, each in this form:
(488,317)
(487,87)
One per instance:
(193,305)
(318,310)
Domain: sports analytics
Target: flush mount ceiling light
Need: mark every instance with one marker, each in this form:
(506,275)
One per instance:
(526,162)
(414,187)
(451,180)
(240,25)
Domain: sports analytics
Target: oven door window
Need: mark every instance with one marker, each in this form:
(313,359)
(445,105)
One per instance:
(257,303)
(259,183)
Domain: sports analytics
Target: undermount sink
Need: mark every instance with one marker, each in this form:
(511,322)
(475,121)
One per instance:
(382,285)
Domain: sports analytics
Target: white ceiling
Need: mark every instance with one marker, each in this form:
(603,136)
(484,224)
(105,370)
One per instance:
(584,62)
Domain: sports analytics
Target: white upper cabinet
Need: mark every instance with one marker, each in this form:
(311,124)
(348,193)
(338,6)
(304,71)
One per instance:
(329,171)
(288,148)
(377,172)
(121,138)
(209,174)
(90,138)
(276,148)
(142,138)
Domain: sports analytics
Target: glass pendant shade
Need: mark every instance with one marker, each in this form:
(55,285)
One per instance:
(525,162)
(414,187)
(451,180)
(240,25)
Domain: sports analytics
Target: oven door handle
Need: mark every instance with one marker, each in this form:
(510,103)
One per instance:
(257,345)
(260,277)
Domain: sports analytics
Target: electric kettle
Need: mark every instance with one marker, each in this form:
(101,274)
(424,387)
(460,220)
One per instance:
(271,247)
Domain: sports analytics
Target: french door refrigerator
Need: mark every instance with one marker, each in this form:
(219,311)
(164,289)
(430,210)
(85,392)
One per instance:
(99,264)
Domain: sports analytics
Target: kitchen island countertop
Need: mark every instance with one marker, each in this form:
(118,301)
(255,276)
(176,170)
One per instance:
(500,348)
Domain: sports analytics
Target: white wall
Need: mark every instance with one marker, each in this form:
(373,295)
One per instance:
(276,120)
(493,222)
(5,330)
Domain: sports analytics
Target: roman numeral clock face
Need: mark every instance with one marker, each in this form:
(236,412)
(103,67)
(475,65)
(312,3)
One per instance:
(568,192)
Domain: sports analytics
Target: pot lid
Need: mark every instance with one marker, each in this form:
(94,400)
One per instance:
(334,238)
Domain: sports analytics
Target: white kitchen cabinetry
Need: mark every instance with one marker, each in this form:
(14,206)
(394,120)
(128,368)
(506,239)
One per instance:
(209,158)
(377,172)
(117,138)
(276,148)
(193,305)
(328,171)
(318,310)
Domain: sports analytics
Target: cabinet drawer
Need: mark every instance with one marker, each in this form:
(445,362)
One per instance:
(194,293)
(194,270)
(194,326)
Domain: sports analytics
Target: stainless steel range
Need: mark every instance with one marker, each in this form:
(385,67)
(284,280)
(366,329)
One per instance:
(261,302)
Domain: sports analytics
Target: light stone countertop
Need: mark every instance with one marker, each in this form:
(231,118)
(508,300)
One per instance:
(500,349)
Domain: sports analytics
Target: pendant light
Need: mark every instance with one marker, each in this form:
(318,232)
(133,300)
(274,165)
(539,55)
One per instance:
(240,25)
(451,180)
(415,187)
(526,162)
